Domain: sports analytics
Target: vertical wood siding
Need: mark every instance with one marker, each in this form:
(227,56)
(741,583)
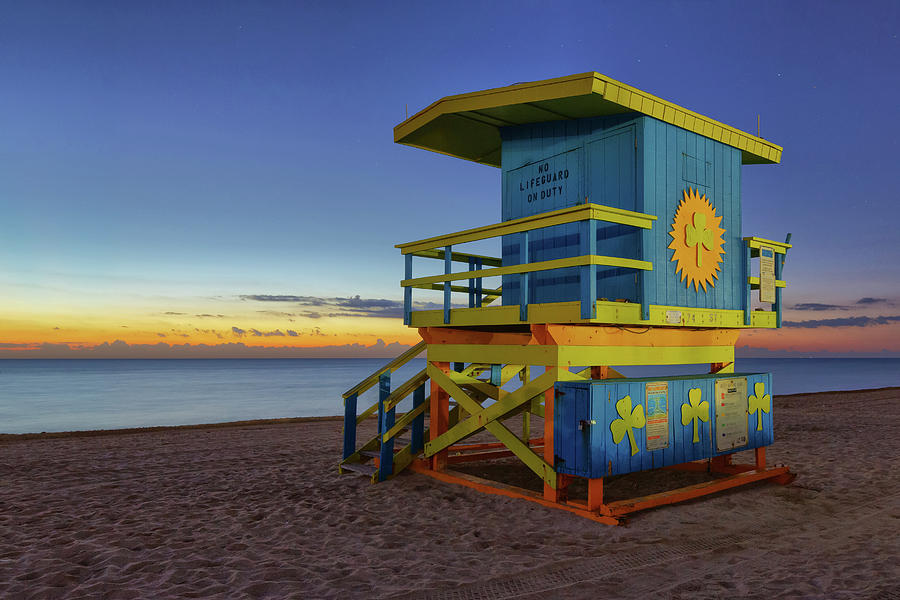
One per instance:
(627,161)
(590,452)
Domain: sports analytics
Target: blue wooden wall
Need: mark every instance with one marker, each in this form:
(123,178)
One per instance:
(627,161)
(588,450)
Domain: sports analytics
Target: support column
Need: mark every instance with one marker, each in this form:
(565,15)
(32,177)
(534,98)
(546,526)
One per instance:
(440,416)
(599,372)
(595,493)
(761,458)
(549,455)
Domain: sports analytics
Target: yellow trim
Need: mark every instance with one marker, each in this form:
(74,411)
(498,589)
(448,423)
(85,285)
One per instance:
(491,261)
(753,282)
(480,414)
(779,247)
(548,219)
(569,356)
(616,313)
(372,379)
(404,390)
(462,289)
(404,421)
(559,263)
(467,125)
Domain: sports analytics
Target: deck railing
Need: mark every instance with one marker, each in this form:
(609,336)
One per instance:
(753,246)
(441,247)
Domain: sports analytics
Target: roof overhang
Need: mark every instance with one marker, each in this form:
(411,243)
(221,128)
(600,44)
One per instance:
(468,125)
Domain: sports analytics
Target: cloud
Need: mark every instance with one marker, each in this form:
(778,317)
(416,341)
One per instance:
(121,349)
(238,332)
(276,313)
(208,316)
(178,314)
(815,306)
(258,333)
(351,306)
(872,301)
(161,334)
(302,300)
(844,322)
(292,333)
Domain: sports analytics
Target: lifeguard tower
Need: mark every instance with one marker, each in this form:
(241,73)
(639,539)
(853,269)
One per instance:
(621,245)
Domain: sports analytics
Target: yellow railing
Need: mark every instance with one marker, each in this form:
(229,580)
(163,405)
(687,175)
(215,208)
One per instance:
(441,247)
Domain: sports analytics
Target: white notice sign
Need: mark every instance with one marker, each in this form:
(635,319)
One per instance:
(731,413)
(657,415)
(766,274)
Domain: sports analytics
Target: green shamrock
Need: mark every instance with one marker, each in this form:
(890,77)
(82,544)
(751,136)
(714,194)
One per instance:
(760,403)
(695,411)
(630,419)
(698,235)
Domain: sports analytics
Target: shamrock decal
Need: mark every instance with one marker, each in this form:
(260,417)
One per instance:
(760,403)
(698,235)
(629,419)
(695,411)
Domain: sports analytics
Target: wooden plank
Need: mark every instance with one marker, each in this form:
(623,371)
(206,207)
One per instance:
(500,489)
(367,413)
(531,222)
(561,263)
(405,389)
(779,247)
(398,362)
(480,416)
(349,425)
(624,507)
(456,288)
(403,422)
(459,257)
(485,419)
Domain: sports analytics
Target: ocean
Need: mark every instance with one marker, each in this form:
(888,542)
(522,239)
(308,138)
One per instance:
(67,395)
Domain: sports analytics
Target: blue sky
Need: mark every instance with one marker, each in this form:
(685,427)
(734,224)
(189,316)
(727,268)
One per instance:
(175,155)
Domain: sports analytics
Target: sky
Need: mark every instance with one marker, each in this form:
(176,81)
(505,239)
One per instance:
(220,178)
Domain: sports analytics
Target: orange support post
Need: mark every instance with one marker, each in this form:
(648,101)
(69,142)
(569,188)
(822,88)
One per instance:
(761,458)
(595,494)
(549,456)
(440,416)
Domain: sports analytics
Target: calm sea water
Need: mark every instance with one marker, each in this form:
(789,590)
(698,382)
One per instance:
(65,395)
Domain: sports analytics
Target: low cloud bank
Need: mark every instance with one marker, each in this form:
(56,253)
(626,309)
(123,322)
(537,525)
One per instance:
(121,349)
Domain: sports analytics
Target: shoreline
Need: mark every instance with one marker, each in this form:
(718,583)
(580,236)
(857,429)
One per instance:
(14,437)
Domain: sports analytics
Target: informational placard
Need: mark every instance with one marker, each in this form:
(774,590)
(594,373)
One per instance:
(657,415)
(766,274)
(731,413)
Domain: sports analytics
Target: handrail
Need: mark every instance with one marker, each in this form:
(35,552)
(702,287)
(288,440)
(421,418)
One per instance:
(573,214)
(460,257)
(587,263)
(372,379)
(558,263)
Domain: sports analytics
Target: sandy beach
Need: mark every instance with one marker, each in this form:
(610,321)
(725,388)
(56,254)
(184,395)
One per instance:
(258,510)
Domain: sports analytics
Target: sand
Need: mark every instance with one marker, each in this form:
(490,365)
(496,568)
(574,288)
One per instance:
(259,511)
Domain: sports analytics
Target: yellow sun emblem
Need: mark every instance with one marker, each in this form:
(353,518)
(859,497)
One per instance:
(697,240)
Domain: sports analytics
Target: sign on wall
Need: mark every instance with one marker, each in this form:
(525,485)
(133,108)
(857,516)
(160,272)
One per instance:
(731,413)
(545,185)
(766,274)
(657,415)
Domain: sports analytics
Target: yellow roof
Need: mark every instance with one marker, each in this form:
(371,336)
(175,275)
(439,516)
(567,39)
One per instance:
(467,125)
